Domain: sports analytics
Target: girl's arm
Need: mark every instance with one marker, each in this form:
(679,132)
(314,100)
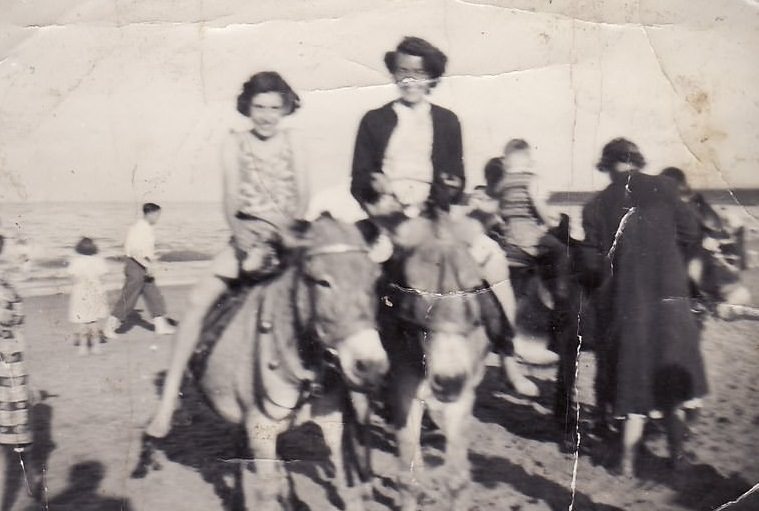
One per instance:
(231,178)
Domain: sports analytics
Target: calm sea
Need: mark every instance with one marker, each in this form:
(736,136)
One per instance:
(41,238)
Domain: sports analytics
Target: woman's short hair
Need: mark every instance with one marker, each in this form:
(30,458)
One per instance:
(86,247)
(675,174)
(267,81)
(620,150)
(434,60)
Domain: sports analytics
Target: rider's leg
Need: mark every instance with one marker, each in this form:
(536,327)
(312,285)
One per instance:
(494,269)
(202,298)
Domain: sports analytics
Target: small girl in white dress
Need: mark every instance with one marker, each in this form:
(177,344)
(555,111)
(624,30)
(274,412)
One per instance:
(88,304)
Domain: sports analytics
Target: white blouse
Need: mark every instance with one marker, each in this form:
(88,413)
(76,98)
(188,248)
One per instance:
(408,157)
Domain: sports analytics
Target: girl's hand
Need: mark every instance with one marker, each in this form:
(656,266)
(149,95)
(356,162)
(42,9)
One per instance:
(385,205)
(381,183)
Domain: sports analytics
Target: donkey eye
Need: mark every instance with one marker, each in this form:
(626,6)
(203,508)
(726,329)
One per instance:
(320,281)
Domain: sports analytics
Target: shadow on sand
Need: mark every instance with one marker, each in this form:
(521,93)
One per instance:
(214,448)
(83,492)
(16,476)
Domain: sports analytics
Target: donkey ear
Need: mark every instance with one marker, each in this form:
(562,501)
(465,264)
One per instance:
(368,229)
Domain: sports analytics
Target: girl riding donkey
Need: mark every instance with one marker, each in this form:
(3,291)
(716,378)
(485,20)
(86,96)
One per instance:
(265,191)
(408,159)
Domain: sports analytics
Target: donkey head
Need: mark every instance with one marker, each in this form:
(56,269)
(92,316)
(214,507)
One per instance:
(338,286)
(442,279)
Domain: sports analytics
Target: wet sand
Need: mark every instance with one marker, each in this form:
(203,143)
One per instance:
(89,424)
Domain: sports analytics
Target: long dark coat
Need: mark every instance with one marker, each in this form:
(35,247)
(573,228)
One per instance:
(641,233)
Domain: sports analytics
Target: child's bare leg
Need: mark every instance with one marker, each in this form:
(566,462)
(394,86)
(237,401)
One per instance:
(675,425)
(203,297)
(82,330)
(93,334)
(632,432)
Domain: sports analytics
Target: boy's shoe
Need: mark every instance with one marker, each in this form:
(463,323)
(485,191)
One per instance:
(162,326)
(111,324)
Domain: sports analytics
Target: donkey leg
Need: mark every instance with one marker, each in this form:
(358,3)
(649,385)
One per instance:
(408,426)
(266,490)
(328,414)
(456,417)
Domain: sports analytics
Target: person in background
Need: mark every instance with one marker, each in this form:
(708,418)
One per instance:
(15,396)
(139,267)
(650,359)
(265,193)
(714,269)
(511,180)
(408,161)
(88,303)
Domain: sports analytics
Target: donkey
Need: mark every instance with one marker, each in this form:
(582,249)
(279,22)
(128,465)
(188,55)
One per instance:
(432,328)
(298,347)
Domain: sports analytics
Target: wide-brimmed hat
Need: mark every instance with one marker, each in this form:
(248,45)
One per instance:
(620,150)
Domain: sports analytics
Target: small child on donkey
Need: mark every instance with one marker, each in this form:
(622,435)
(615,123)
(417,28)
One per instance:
(88,303)
(526,219)
(265,192)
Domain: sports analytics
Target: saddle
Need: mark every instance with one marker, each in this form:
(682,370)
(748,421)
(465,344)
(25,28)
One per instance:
(270,324)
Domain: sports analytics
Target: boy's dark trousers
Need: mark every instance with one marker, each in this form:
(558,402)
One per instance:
(138,283)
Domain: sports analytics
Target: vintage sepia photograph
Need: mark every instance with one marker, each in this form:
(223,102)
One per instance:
(379,255)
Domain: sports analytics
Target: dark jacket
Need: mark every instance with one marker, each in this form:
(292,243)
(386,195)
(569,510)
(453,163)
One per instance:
(643,306)
(447,154)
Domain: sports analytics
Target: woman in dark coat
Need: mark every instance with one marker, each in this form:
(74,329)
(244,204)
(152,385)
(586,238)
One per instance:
(651,360)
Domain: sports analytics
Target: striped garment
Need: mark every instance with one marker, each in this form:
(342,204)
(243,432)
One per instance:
(14,381)
(515,199)
(524,227)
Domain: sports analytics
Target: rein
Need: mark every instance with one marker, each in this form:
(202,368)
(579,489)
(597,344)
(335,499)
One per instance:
(335,248)
(311,384)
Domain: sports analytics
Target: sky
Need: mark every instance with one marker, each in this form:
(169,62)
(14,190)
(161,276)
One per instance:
(128,101)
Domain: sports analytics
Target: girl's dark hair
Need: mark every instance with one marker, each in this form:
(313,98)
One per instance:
(267,81)
(434,60)
(86,247)
(620,150)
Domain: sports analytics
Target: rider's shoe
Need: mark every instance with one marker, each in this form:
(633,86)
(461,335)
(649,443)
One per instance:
(535,355)
(516,379)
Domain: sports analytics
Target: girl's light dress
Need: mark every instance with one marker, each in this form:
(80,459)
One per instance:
(88,302)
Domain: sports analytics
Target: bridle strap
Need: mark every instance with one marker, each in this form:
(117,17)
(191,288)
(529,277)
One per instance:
(335,248)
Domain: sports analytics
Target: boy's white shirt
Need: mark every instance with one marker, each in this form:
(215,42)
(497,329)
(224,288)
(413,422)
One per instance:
(140,242)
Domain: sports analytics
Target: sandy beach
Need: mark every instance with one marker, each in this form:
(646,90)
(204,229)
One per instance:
(89,423)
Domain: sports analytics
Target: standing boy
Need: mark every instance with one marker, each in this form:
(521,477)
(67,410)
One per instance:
(140,280)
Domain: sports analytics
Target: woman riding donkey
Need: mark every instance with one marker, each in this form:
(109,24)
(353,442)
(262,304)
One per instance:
(408,159)
(265,192)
